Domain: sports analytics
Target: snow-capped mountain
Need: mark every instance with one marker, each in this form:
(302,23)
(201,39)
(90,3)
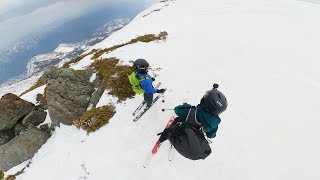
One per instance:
(62,53)
(39,62)
(265,56)
(65,52)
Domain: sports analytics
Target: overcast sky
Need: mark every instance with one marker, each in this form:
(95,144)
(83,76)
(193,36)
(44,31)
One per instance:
(19,18)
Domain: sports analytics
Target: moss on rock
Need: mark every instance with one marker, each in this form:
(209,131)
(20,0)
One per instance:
(95,118)
(114,77)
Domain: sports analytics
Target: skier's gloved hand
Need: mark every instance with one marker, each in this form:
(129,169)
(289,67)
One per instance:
(153,79)
(164,135)
(161,90)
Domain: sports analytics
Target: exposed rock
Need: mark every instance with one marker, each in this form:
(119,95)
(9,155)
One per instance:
(21,148)
(46,128)
(97,93)
(36,117)
(41,100)
(68,94)
(12,108)
(97,82)
(18,128)
(6,136)
(96,96)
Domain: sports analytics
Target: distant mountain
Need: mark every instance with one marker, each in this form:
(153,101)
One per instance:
(68,51)
(63,52)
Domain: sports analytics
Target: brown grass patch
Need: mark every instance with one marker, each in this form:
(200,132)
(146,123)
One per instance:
(114,77)
(95,118)
(145,38)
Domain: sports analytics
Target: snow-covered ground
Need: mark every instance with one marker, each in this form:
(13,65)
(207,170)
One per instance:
(19,85)
(265,56)
(64,48)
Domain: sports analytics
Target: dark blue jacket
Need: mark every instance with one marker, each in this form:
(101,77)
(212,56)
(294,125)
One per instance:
(146,84)
(209,121)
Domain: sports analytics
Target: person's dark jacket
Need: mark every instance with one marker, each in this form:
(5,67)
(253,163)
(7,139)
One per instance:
(209,121)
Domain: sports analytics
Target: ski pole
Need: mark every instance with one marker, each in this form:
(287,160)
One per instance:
(162,97)
(164,109)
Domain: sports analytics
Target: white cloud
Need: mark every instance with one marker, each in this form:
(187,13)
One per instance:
(9,8)
(20,18)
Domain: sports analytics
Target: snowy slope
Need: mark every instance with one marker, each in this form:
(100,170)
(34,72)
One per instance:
(265,56)
(19,85)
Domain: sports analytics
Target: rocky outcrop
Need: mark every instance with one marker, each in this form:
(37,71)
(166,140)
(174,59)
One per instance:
(12,109)
(18,128)
(96,97)
(97,93)
(19,140)
(21,148)
(36,117)
(68,93)
(6,136)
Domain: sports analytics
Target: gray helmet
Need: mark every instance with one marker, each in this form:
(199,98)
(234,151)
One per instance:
(141,65)
(214,101)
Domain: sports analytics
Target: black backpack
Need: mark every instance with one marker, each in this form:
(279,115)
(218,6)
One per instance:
(188,138)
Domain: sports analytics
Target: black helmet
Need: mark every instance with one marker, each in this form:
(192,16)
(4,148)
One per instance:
(214,101)
(141,66)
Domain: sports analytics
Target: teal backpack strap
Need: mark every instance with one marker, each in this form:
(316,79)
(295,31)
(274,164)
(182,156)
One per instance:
(192,117)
